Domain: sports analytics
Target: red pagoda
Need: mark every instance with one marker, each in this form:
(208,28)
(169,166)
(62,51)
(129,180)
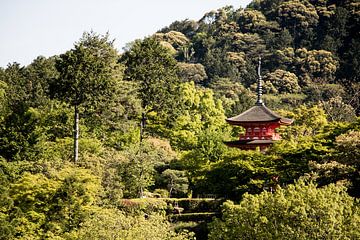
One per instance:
(259,123)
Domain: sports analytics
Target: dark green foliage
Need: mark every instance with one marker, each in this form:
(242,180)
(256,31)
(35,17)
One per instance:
(227,41)
(20,133)
(90,66)
(176,182)
(187,79)
(154,67)
(87,76)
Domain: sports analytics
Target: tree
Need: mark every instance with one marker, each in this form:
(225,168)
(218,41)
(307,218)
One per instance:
(300,17)
(235,97)
(49,206)
(316,65)
(19,135)
(200,112)
(188,72)
(87,75)
(337,110)
(154,67)
(348,145)
(177,182)
(283,81)
(176,39)
(138,169)
(300,211)
(254,21)
(112,224)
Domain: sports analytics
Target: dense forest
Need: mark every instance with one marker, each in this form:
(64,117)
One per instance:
(97,144)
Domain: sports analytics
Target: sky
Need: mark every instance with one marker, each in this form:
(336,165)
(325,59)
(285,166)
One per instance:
(30,28)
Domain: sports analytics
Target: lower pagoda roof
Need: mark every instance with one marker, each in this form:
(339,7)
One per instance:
(256,114)
(250,143)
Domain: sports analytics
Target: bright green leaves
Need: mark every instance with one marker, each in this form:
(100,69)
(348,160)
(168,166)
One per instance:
(112,224)
(201,112)
(301,211)
(51,205)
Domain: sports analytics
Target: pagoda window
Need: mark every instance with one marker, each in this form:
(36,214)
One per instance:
(264,131)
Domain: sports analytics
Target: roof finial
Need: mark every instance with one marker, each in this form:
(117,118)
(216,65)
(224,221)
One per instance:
(259,86)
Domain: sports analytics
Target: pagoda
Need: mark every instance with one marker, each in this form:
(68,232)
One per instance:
(259,122)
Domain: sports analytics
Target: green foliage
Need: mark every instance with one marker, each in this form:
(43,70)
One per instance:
(254,21)
(300,16)
(337,110)
(143,206)
(138,169)
(113,224)
(235,98)
(187,217)
(154,67)
(200,112)
(20,133)
(28,87)
(188,72)
(281,82)
(176,182)
(236,173)
(88,72)
(307,122)
(348,146)
(310,55)
(316,64)
(50,206)
(300,211)
(176,39)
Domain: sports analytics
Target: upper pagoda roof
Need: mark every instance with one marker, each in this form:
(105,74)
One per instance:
(258,113)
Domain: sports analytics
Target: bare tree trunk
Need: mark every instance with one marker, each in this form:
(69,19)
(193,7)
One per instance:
(76,134)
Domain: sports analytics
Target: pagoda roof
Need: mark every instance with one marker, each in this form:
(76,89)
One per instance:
(258,113)
(251,142)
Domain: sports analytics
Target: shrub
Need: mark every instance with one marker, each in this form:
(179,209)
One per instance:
(115,225)
(302,211)
(143,205)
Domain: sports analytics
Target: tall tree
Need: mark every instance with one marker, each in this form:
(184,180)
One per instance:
(300,16)
(154,67)
(87,75)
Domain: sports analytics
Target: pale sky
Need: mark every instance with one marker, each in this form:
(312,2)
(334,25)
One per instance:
(30,28)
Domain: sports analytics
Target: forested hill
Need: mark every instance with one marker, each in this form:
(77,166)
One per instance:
(95,144)
(308,47)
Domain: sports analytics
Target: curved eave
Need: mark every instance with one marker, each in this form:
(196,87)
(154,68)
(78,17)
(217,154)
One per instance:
(253,142)
(281,121)
(286,121)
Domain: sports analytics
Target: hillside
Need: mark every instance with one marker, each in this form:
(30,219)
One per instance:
(95,144)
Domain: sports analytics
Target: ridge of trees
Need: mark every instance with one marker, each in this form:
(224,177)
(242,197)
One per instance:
(185,80)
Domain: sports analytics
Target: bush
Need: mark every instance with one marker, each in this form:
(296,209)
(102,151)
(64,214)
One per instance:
(302,211)
(115,225)
(143,205)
